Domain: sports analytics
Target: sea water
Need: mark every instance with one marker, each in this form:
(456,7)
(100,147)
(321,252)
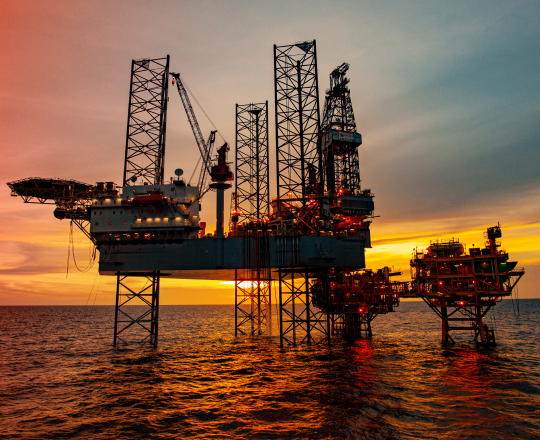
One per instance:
(61,378)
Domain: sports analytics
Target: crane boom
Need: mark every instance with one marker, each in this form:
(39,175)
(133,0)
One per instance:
(205,170)
(205,148)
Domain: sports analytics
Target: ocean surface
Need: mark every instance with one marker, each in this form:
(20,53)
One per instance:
(60,378)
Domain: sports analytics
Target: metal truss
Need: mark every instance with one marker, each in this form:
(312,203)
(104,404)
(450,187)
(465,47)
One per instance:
(253,305)
(71,197)
(299,321)
(469,313)
(50,191)
(252,170)
(147,120)
(340,156)
(253,284)
(84,227)
(141,317)
(299,160)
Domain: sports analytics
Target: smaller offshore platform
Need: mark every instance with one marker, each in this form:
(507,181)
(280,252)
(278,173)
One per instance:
(308,241)
(462,287)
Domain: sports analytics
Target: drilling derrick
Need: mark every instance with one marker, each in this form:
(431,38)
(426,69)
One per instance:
(350,205)
(461,288)
(339,139)
(249,207)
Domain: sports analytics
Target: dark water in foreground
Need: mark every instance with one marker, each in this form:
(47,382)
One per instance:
(60,378)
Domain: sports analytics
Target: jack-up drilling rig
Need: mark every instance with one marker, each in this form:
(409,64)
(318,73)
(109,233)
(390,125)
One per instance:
(308,241)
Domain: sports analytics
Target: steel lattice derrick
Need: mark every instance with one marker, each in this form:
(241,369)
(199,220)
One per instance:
(339,151)
(143,317)
(300,321)
(147,120)
(338,113)
(297,120)
(252,169)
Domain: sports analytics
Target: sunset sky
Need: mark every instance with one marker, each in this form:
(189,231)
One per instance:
(446,96)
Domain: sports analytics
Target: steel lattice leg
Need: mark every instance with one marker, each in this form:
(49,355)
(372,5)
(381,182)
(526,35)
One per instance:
(299,321)
(143,319)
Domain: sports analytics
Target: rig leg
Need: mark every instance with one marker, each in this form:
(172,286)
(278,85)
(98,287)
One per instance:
(299,320)
(143,324)
(252,304)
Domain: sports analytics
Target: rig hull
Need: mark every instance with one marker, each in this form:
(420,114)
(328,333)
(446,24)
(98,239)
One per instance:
(215,258)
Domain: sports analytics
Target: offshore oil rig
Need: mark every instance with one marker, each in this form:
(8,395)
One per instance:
(308,241)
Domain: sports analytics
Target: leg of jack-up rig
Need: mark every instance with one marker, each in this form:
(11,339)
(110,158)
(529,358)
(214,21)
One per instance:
(253,284)
(145,320)
(252,304)
(299,321)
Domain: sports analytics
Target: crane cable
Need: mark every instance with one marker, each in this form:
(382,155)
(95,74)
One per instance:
(515,307)
(201,107)
(195,170)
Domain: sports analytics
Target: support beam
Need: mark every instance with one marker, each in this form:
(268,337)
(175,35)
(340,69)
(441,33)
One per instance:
(137,308)
(300,321)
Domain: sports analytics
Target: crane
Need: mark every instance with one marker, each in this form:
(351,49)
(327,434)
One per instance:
(205,148)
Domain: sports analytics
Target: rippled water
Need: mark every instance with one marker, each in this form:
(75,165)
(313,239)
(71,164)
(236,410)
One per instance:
(60,378)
